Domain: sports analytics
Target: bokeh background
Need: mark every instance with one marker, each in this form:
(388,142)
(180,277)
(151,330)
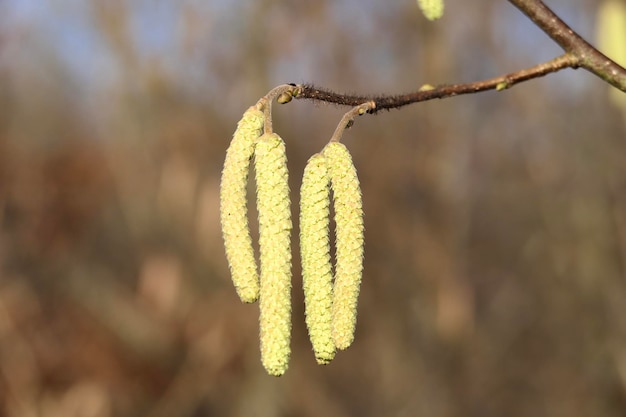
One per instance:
(495,269)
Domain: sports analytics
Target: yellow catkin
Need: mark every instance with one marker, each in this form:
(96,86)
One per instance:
(611,35)
(432,9)
(317,278)
(233,205)
(349,242)
(275,252)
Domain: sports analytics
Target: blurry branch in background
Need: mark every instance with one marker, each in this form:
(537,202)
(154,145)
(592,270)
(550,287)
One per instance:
(578,54)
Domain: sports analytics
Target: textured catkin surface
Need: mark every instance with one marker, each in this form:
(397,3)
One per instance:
(317,278)
(349,242)
(233,206)
(275,252)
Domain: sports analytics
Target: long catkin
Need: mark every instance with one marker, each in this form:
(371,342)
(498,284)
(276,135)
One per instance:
(349,242)
(275,252)
(233,205)
(315,253)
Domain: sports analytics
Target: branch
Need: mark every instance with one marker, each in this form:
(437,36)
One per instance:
(308,91)
(585,54)
(578,53)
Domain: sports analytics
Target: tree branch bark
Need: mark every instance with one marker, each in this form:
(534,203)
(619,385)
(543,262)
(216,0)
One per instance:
(308,91)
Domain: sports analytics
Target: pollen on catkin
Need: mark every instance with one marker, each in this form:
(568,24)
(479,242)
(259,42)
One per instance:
(317,278)
(233,205)
(349,242)
(275,225)
(432,9)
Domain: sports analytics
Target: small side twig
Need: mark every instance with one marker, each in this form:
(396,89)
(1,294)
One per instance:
(348,119)
(283,94)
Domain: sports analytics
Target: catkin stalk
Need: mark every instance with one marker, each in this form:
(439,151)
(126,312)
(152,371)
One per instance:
(349,242)
(275,252)
(233,206)
(317,278)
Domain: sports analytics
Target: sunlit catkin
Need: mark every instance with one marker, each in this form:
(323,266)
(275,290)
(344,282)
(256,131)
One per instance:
(233,206)
(315,252)
(432,9)
(611,33)
(270,163)
(349,242)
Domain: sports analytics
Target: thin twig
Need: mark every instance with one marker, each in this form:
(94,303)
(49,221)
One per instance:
(283,93)
(307,91)
(348,119)
(578,53)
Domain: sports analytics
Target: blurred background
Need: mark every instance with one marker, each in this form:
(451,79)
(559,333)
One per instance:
(495,268)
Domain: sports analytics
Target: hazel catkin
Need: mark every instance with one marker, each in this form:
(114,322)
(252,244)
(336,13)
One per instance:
(233,205)
(349,242)
(432,9)
(275,225)
(315,253)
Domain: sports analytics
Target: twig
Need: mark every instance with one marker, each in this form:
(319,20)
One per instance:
(578,53)
(283,94)
(308,91)
(348,119)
